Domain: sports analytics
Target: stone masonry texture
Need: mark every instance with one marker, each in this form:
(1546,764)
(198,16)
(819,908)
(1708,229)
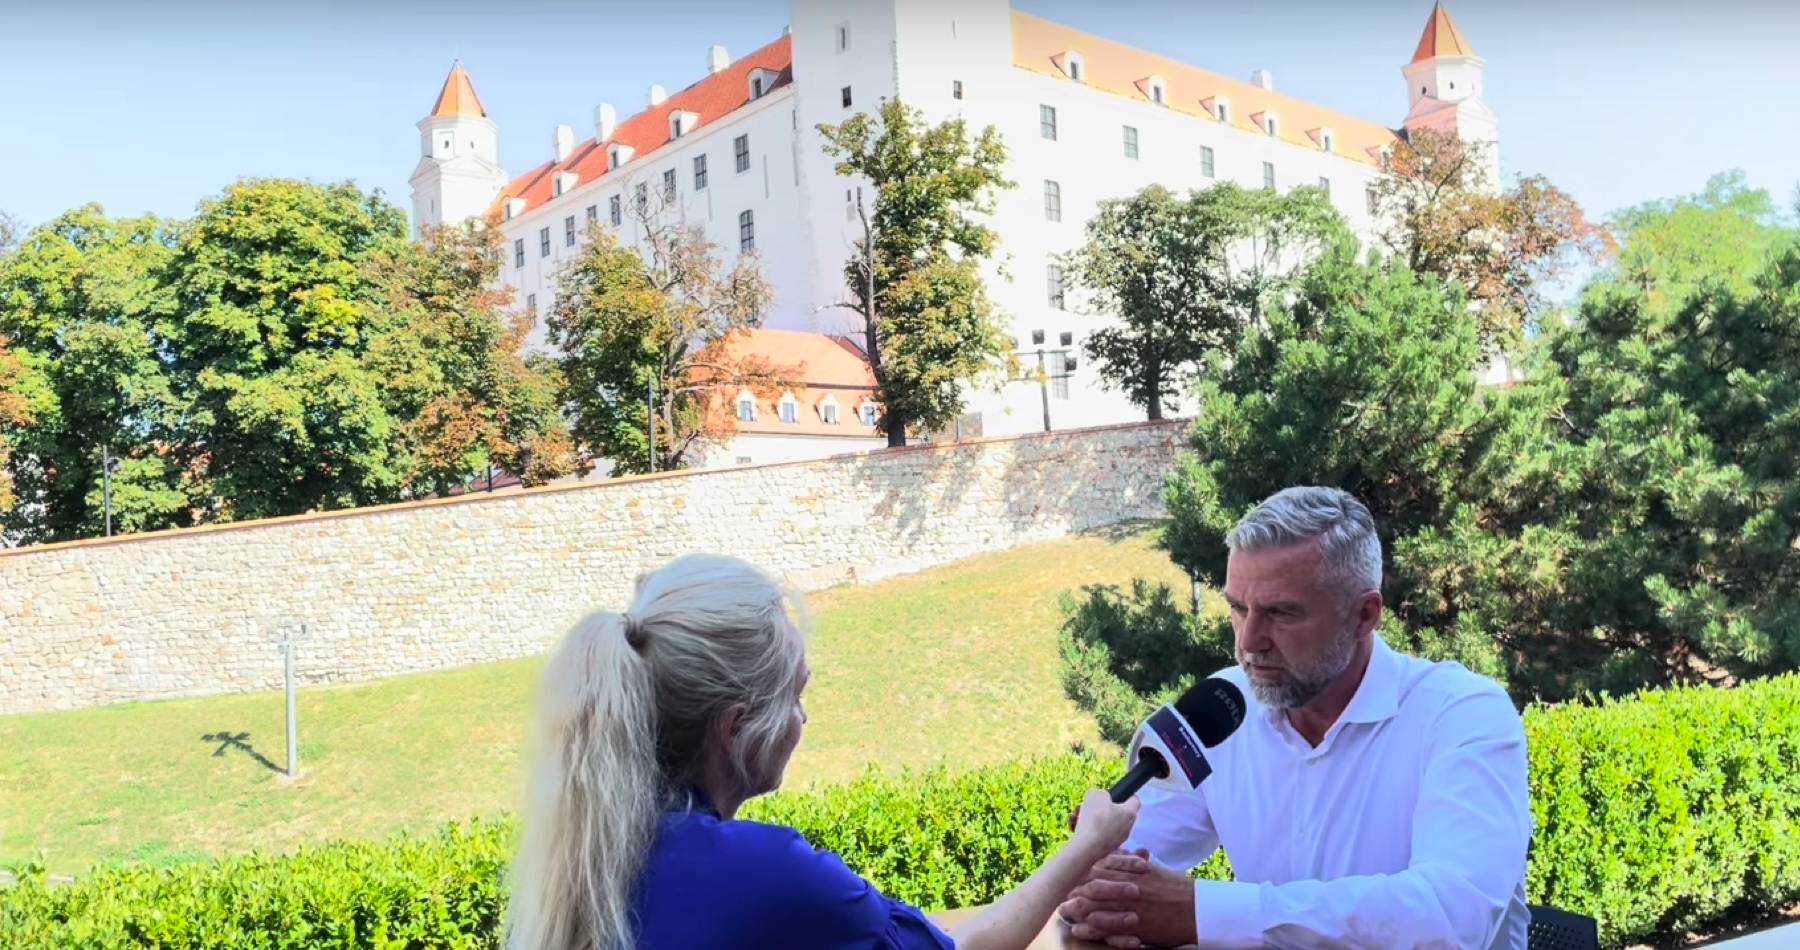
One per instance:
(430,585)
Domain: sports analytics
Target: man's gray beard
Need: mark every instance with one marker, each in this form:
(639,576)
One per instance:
(1303,683)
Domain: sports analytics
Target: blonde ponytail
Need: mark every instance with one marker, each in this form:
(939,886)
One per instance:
(625,715)
(594,799)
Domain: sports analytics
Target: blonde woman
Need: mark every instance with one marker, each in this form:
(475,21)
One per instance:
(656,724)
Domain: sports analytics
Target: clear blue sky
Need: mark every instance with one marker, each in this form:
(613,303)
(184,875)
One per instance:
(150,106)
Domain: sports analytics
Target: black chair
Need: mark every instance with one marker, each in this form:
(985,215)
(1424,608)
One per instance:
(1553,929)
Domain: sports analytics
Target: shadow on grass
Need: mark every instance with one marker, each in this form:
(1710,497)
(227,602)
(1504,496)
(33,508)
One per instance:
(230,740)
(1122,531)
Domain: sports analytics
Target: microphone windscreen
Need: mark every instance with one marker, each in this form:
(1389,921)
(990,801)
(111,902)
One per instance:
(1214,709)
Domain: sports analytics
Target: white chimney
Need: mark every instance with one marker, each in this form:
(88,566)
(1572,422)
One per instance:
(658,96)
(606,119)
(716,60)
(1263,79)
(565,142)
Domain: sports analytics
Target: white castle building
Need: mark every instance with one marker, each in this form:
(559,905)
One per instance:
(1083,119)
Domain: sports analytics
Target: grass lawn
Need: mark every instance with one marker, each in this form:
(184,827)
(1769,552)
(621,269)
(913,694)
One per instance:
(954,666)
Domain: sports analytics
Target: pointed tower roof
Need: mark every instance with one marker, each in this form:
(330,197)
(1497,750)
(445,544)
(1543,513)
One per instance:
(458,97)
(1441,38)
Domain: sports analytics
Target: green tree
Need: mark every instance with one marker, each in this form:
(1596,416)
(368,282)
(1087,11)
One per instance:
(279,303)
(457,378)
(1183,277)
(1725,234)
(83,297)
(24,397)
(928,325)
(662,319)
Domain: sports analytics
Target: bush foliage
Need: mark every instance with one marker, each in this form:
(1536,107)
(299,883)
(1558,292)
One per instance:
(1654,814)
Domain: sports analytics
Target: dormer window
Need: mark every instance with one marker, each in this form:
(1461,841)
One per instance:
(681,123)
(1327,141)
(1222,109)
(867,412)
(1074,66)
(565,182)
(514,207)
(790,409)
(828,411)
(1272,124)
(1157,90)
(746,408)
(618,155)
(762,82)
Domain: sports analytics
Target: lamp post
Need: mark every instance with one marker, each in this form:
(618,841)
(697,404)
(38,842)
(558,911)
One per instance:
(107,465)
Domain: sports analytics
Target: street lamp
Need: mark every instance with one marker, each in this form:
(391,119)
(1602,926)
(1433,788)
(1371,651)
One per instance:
(108,465)
(1046,359)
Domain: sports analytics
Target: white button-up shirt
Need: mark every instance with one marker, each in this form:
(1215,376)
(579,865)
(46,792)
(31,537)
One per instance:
(1406,829)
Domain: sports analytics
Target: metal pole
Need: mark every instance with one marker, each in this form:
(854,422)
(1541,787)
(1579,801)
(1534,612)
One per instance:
(106,482)
(293,731)
(1044,386)
(651,389)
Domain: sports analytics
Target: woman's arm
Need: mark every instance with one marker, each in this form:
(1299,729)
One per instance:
(1014,921)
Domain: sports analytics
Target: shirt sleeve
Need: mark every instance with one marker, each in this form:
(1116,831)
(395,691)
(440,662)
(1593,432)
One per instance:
(1470,833)
(1176,827)
(823,905)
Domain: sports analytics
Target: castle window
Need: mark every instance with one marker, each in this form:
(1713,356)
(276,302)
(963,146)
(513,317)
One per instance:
(1206,160)
(747,231)
(1268,174)
(1325,185)
(1054,275)
(868,414)
(519,253)
(668,184)
(843,37)
(846,96)
(569,231)
(1272,125)
(543,242)
(1073,66)
(1052,201)
(746,408)
(1327,141)
(740,147)
(956,89)
(531,304)
(1047,122)
(790,409)
(700,173)
(1159,90)
(1224,110)
(593,213)
(613,212)
(829,413)
(1131,142)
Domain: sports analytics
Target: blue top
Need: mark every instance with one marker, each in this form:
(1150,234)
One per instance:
(745,885)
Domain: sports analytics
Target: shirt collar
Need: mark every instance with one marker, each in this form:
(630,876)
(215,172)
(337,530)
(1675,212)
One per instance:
(1378,695)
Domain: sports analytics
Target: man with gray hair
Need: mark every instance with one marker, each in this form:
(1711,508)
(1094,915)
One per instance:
(1370,800)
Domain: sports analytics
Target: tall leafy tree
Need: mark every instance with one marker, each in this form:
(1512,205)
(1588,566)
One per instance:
(929,328)
(1504,246)
(1185,276)
(83,297)
(24,397)
(657,322)
(279,304)
(452,356)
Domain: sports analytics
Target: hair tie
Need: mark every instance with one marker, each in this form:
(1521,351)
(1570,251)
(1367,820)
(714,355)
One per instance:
(634,633)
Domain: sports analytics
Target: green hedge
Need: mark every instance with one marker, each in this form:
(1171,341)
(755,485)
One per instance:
(1654,814)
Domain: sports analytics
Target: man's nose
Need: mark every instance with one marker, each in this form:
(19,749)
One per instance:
(1253,633)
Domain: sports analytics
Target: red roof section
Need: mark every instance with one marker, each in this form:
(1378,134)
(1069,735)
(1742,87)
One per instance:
(458,96)
(1441,38)
(827,368)
(712,98)
(1039,45)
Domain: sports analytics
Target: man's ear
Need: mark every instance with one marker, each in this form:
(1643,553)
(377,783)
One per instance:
(1368,613)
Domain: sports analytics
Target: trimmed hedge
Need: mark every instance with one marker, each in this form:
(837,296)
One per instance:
(1654,814)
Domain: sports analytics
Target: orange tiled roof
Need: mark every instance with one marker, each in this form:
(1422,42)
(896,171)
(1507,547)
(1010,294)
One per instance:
(1038,46)
(458,96)
(712,98)
(1441,38)
(829,367)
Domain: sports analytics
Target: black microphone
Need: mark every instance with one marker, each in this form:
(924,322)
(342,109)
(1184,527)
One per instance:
(1173,735)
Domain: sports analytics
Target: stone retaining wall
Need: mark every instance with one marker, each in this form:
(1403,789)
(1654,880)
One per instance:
(423,586)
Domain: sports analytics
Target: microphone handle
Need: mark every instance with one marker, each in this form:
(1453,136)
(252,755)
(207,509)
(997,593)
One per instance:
(1147,768)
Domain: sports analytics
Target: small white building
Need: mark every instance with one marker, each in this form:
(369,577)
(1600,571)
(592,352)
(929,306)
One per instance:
(1083,118)
(830,409)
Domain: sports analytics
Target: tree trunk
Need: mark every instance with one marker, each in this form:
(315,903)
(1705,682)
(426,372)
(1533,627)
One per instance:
(1155,407)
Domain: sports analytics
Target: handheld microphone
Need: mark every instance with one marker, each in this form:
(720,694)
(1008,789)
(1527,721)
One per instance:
(1173,735)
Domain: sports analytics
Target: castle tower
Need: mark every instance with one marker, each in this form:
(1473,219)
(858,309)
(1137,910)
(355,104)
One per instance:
(460,175)
(1444,84)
